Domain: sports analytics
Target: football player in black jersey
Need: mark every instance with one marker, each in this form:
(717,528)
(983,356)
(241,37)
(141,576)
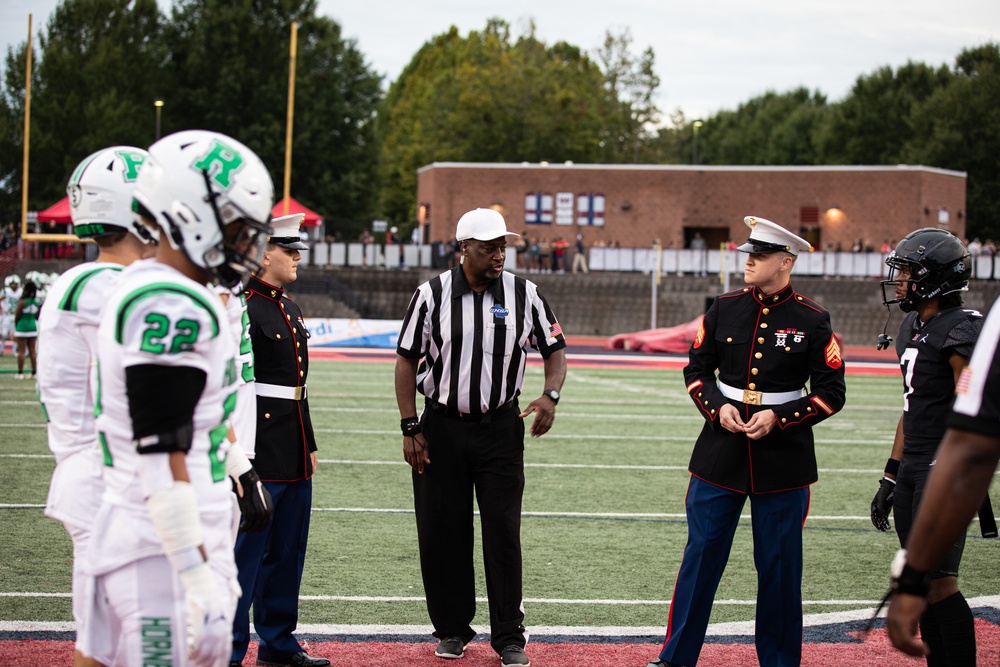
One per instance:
(928,271)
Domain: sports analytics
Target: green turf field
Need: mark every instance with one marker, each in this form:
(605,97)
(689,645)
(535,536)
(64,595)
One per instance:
(603,530)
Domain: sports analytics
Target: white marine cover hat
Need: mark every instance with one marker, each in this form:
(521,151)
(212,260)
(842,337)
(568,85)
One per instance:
(285,231)
(483,224)
(766,237)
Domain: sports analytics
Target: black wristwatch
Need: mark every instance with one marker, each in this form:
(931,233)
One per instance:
(553,394)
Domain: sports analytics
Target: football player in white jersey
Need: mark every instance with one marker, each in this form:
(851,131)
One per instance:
(100,196)
(12,289)
(161,549)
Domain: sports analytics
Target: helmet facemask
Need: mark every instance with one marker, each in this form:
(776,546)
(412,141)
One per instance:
(242,243)
(908,302)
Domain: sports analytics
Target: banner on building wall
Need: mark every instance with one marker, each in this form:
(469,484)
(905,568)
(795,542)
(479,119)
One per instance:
(590,209)
(564,208)
(343,332)
(538,208)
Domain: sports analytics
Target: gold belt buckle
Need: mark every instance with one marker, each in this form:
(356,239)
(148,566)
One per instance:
(300,393)
(752,397)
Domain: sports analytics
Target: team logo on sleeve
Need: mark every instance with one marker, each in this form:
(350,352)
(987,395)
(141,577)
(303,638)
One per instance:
(699,338)
(834,359)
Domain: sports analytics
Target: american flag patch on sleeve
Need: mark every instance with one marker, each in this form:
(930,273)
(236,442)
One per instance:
(555,330)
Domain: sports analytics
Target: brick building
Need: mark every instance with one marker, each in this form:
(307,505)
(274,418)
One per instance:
(634,204)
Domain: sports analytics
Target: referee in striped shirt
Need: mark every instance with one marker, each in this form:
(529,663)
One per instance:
(463,345)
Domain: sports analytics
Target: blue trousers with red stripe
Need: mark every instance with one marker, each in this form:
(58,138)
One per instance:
(713,514)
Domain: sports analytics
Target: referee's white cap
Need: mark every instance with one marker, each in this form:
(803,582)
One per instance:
(766,236)
(483,224)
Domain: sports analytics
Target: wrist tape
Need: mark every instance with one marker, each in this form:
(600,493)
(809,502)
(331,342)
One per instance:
(237,462)
(174,513)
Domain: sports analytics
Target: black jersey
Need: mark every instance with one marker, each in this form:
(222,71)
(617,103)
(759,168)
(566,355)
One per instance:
(925,350)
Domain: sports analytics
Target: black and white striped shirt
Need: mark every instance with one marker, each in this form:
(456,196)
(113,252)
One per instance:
(474,344)
(977,401)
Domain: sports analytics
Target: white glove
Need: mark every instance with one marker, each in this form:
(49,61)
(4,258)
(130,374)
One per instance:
(209,629)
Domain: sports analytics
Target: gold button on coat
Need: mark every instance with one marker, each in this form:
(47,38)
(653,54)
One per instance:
(757,355)
(763,325)
(729,340)
(766,311)
(754,371)
(761,340)
(267,415)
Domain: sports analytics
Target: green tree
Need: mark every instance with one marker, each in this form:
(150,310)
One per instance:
(958,127)
(772,129)
(233,61)
(631,84)
(92,86)
(488,98)
(874,122)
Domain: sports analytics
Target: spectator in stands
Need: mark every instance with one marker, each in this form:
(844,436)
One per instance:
(699,256)
(521,247)
(366,239)
(545,256)
(558,253)
(580,258)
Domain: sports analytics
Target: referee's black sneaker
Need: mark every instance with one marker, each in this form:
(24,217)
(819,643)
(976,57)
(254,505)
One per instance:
(514,656)
(300,659)
(450,648)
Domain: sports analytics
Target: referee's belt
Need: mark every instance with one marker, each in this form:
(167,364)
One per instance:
(481,417)
(751,397)
(280,391)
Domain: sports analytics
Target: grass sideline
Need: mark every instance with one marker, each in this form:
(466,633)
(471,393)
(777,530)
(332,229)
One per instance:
(604,525)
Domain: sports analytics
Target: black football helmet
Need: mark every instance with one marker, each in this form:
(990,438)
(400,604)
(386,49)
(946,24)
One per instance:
(938,263)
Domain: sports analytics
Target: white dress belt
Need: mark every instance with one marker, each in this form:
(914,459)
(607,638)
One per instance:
(280,391)
(751,397)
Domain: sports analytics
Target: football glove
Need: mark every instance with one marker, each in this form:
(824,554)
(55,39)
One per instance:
(209,631)
(882,504)
(256,505)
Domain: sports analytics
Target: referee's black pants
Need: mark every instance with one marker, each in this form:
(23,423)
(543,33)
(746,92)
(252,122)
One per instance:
(489,458)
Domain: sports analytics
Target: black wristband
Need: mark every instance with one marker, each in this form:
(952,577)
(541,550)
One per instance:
(410,426)
(912,582)
(892,467)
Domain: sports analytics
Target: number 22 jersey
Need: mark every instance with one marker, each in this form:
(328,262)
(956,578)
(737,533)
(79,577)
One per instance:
(159,317)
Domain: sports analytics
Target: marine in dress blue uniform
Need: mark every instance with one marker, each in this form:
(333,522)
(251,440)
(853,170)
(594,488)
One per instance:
(270,562)
(765,342)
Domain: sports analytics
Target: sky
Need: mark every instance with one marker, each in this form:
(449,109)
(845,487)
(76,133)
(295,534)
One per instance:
(710,55)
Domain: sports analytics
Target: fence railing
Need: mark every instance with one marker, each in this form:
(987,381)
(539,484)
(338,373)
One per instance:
(668,260)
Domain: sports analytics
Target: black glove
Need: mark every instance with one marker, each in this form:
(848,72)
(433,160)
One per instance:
(882,504)
(256,505)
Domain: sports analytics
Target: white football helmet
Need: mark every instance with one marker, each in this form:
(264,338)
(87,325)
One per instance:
(13,280)
(194,184)
(100,193)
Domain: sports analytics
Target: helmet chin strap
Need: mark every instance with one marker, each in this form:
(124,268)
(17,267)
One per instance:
(884,339)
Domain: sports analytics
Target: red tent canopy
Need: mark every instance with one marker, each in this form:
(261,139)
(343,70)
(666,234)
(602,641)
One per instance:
(58,212)
(312,219)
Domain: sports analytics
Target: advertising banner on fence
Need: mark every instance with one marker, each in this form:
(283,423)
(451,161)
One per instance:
(342,332)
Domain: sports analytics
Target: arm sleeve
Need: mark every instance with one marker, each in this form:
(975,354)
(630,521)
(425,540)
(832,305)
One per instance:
(703,361)
(162,399)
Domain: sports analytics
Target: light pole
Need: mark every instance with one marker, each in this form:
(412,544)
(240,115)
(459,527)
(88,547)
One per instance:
(158,103)
(694,145)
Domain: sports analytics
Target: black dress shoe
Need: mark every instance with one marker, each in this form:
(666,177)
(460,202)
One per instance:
(301,659)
